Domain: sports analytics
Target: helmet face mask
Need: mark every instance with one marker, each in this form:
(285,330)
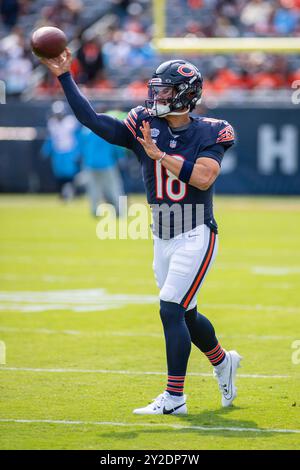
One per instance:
(175,88)
(160,98)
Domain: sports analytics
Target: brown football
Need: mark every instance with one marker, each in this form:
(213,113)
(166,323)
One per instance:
(48,42)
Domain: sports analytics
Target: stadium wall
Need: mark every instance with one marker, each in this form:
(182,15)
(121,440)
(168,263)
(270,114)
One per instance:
(265,160)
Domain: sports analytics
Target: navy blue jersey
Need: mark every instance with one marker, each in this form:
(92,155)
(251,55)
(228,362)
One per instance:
(204,137)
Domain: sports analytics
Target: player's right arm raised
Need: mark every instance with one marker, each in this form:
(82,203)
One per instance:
(107,127)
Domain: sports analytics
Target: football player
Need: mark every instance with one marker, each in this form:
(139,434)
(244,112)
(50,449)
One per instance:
(181,157)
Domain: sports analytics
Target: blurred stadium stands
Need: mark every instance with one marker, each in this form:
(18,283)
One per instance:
(235,18)
(113,59)
(117,35)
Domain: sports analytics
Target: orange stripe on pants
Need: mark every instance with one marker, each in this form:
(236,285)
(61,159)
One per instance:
(200,275)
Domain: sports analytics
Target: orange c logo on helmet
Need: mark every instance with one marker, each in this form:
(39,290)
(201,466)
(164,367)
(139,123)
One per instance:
(186,70)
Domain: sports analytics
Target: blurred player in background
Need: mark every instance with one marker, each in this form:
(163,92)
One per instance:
(100,163)
(181,157)
(62,146)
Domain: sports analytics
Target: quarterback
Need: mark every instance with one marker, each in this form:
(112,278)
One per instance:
(181,156)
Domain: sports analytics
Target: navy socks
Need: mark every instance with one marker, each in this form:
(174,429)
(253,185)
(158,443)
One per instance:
(203,336)
(181,328)
(178,345)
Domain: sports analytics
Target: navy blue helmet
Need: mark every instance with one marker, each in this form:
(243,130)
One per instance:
(175,86)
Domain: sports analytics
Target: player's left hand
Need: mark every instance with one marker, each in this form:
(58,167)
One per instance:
(150,147)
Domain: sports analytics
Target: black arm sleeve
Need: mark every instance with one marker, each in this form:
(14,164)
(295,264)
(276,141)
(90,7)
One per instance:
(109,128)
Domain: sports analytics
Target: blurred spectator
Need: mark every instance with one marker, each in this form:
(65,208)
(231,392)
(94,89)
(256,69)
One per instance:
(62,146)
(138,89)
(64,14)
(90,60)
(18,68)
(16,64)
(116,50)
(285,19)
(256,15)
(100,162)
(224,27)
(9,12)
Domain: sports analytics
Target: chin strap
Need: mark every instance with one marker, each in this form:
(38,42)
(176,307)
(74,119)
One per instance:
(174,113)
(178,113)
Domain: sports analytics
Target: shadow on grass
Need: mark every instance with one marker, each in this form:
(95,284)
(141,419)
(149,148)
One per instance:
(218,419)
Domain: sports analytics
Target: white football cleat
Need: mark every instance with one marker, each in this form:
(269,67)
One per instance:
(226,377)
(164,404)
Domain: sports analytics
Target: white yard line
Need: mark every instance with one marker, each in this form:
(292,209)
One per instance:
(275,270)
(137,334)
(40,331)
(152,425)
(253,308)
(131,372)
(50,279)
(95,300)
(76,300)
(56,260)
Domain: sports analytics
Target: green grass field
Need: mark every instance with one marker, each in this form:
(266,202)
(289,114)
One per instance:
(84,344)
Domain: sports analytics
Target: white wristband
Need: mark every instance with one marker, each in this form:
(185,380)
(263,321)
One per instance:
(163,156)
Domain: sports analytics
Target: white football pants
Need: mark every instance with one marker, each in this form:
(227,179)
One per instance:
(181,264)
